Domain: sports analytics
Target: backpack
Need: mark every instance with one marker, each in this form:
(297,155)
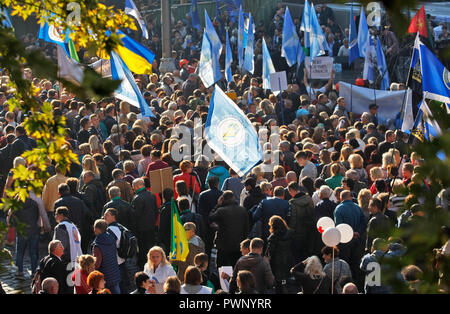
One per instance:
(128,244)
(36,282)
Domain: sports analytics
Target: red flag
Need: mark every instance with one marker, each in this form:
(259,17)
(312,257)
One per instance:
(419,23)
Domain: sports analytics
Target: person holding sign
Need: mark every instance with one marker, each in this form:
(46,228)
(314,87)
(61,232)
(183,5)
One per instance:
(312,91)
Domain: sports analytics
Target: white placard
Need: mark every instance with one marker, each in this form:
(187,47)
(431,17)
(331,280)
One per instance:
(320,68)
(278,81)
(225,284)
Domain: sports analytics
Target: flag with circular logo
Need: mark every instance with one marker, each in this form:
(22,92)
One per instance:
(231,134)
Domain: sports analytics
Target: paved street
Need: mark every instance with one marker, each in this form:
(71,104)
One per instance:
(10,283)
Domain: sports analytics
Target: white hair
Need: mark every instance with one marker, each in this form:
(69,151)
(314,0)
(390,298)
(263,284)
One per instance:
(314,268)
(324,191)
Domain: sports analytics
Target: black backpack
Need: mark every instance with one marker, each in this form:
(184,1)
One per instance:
(128,243)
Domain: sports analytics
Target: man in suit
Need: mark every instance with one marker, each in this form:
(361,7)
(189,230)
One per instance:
(53,266)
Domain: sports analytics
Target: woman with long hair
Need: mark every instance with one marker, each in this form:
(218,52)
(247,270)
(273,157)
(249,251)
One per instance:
(279,251)
(158,268)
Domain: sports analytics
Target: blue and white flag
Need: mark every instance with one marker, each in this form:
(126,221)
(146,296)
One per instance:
(209,67)
(6,19)
(382,66)
(435,77)
(240,40)
(431,127)
(249,61)
(353,50)
(195,20)
(50,33)
(131,9)
(318,41)
(267,66)
(291,42)
(128,90)
(231,135)
(305,25)
(369,62)
(228,61)
(363,34)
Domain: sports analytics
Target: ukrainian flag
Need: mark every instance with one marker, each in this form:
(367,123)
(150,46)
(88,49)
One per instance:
(136,57)
(179,248)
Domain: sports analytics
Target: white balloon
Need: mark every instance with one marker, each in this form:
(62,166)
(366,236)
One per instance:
(346,232)
(324,223)
(331,237)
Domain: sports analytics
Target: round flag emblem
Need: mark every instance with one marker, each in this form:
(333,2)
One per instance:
(231,132)
(54,34)
(446,78)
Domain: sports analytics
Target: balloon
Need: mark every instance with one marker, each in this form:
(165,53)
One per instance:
(346,232)
(324,223)
(331,237)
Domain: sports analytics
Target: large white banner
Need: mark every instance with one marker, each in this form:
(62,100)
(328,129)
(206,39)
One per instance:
(389,103)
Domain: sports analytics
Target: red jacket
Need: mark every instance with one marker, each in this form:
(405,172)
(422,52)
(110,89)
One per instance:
(190,179)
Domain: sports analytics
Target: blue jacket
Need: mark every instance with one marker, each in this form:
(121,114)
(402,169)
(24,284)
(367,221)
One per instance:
(109,267)
(374,257)
(269,207)
(350,213)
(219,171)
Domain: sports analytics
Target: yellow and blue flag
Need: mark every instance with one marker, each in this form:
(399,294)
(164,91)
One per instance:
(128,90)
(179,248)
(138,58)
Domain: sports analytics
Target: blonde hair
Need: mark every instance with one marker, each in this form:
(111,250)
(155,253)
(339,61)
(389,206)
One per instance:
(314,268)
(364,197)
(94,144)
(356,161)
(345,153)
(85,261)
(85,149)
(376,173)
(88,163)
(159,249)
(388,160)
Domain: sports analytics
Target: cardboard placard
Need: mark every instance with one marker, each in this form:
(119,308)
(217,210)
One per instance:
(161,179)
(320,68)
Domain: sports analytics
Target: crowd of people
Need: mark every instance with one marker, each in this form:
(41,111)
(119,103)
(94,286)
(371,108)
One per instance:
(323,161)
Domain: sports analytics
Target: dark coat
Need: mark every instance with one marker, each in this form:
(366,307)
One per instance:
(309,285)
(125,213)
(206,202)
(253,198)
(302,220)
(79,214)
(92,197)
(83,136)
(233,223)
(267,208)
(280,255)
(164,227)
(28,214)
(145,209)
(52,266)
(260,269)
